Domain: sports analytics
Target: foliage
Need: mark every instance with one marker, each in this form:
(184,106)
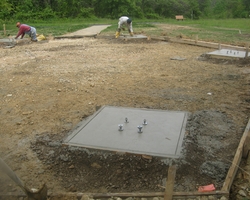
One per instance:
(5,9)
(113,9)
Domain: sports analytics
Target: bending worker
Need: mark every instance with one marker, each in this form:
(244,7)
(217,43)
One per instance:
(26,29)
(124,21)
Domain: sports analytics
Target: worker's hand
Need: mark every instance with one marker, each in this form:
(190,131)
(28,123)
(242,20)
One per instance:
(117,34)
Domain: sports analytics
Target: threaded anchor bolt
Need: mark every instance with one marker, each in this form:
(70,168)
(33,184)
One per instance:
(139,129)
(126,120)
(120,127)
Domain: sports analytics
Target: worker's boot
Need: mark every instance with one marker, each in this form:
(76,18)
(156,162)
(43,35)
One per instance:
(131,33)
(117,34)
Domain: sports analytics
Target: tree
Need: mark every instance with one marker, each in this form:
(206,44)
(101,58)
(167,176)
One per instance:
(237,8)
(205,7)
(115,8)
(194,9)
(5,9)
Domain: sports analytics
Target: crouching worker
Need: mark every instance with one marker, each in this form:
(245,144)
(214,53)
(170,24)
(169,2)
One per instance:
(124,21)
(26,29)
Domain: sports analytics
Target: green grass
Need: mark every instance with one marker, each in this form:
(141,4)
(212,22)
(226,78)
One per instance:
(228,31)
(55,27)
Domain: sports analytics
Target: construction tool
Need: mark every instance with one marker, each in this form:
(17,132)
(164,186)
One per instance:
(33,194)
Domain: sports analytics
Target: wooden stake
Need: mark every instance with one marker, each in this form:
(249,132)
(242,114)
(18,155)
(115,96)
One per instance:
(219,46)
(196,39)
(246,146)
(170,183)
(4,29)
(247,50)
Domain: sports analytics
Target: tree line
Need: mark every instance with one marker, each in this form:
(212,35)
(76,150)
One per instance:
(112,9)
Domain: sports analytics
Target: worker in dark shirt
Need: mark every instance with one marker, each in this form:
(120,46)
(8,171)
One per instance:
(26,29)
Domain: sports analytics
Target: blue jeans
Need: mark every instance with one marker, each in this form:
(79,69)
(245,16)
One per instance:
(32,33)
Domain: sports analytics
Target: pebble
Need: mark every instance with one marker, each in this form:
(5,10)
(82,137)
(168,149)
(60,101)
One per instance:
(242,193)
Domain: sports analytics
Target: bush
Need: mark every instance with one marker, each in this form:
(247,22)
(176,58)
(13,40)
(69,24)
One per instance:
(86,13)
(46,14)
(152,16)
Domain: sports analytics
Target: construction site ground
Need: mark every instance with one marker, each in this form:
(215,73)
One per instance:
(48,87)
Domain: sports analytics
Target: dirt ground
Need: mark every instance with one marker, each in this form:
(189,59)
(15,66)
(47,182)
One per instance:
(48,87)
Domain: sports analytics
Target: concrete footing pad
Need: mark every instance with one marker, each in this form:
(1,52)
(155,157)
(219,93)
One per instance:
(228,53)
(133,37)
(8,42)
(131,130)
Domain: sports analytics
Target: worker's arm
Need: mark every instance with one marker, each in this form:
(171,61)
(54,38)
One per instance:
(22,29)
(19,33)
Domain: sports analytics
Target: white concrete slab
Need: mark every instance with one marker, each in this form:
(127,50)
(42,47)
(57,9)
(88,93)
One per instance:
(229,53)
(92,30)
(134,36)
(162,136)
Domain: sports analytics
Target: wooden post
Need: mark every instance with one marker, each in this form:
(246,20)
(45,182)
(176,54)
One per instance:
(168,195)
(4,29)
(219,46)
(196,39)
(246,146)
(247,50)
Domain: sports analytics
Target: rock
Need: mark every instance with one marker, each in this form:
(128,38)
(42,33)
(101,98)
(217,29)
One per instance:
(85,197)
(72,188)
(178,58)
(242,193)
(64,158)
(79,196)
(96,165)
(147,157)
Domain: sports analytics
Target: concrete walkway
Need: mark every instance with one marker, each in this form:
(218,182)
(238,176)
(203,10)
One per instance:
(90,31)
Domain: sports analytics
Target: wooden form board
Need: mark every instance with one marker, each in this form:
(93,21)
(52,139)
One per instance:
(74,36)
(170,183)
(198,43)
(73,195)
(237,158)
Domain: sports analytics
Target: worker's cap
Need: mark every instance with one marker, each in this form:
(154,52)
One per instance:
(129,21)
(18,24)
